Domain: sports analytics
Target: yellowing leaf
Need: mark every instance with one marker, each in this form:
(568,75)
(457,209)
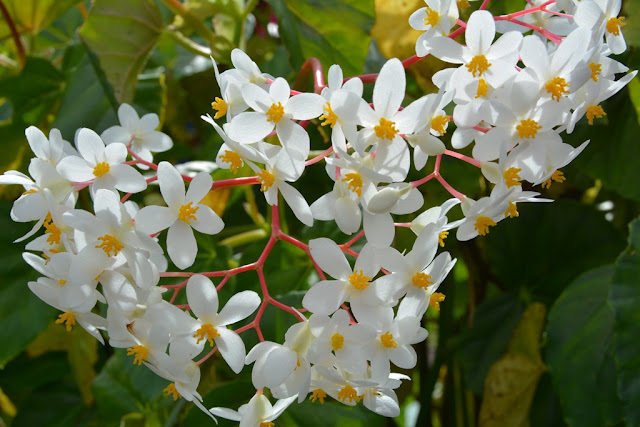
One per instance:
(396,39)
(512,380)
(217,199)
(31,16)
(82,353)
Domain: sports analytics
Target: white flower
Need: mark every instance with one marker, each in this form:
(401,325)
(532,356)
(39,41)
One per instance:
(257,412)
(102,166)
(436,19)
(53,149)
(181,214)
(138,133)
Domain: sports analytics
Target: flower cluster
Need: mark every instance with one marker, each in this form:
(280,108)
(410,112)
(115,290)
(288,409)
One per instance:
(512,98)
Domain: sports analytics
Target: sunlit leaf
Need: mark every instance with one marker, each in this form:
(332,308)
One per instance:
(31,16)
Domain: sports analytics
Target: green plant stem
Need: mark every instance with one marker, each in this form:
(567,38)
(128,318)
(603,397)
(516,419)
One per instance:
(187,43)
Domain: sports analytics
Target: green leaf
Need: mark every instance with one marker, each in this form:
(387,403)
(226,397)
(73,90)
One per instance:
(122,34)
(613,142)
(122,388)
(483,344)
(31,16)
(625,299)
(58,405)
(579,351)
(334,31)
(34,91)
(569,238)
(511,383)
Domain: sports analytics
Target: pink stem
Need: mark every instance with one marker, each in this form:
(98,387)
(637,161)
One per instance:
(319,157)
(462,157)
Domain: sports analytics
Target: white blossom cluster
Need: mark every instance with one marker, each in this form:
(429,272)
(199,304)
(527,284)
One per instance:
(511,97)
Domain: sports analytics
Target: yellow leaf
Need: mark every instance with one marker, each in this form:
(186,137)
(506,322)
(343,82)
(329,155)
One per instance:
(395,38)
(512,380)
(217,199)
(6,405)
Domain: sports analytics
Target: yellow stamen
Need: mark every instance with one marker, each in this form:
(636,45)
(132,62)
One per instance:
(482,225)
(337,341)
(330,118)
(478,65)
(206,330)
(33,190)
(421,280)
(171,390)
(438,123)
(596,69)
(355,182)
(557,87)
(266,180)
(267,424)
(387,340)
(348,392)
(443,235)
(318,394)
(62,282)
(139,353)
(557,176)
(435,299)
(483,88)
(220,106)
(528,128)
(187,212)
(511,211)
(275,113)
(432,18)
(511,177)
(595,111)
(614,25)
(234,160)
(386,129)
(359,280)
(68,319)
(101,169)
(52,230)
(110,244)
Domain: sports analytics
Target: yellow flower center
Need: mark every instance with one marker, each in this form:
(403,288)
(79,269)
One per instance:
(348,392)
(386,129)
(337,341)
(206,330)
(596,69)
(421,280)
(557,177)
(52,230)
(614,25)
(478,65)
(318,394)
(330,118)
(220,106)
(443,235)
(61,282)
(435,299)
(110,244)
(359,280)
(187,212)
(432,17)
(101,169)
(234,160)
(355,182)
(511,177)
(171,390)
(275,113)
(438,123)
(266,180)
(139,353)
(68,319)
(528,128)
(557,87)
(267,424)
(483,88)
(482,225)
(33,190)
(511,211)
(595,111)
(387,340)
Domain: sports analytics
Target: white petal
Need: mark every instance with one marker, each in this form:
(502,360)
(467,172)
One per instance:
(325,297)
(239,307)
(181,245)
(389,89)
(202,297)
(75,169)
(198,188)
(152,219)
(330,258)
(297,203)
(231,348)
(249,127)
(127,179)
(305,106)
(90,145)
(280,91)
(171,184)
(379,229)
(207,221)
(481,29)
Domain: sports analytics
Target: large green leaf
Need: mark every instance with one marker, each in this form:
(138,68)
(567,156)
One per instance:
(334,31)
(31,16)
(568,239)
(625,298)
(579,351)
(122,34)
